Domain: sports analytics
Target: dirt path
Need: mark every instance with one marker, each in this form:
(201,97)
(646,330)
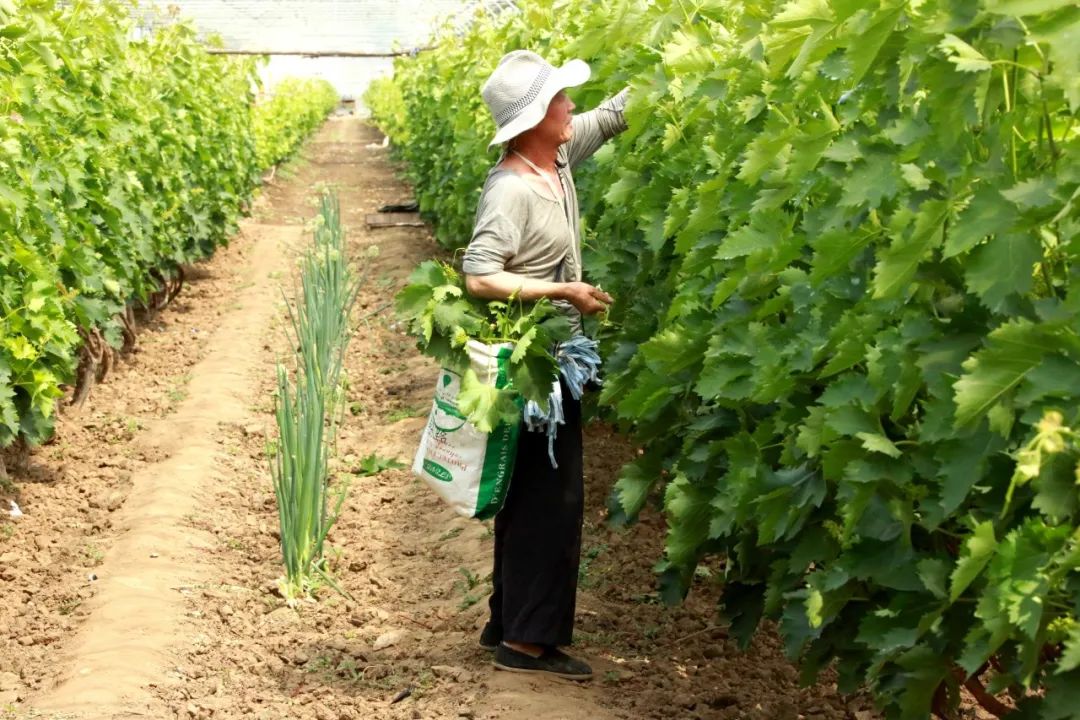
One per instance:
(88,574)
(123,646)
(199,631)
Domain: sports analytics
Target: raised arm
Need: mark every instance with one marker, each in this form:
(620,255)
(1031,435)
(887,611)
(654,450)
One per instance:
(592,129)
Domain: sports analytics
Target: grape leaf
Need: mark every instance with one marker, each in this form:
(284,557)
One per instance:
(521,347)
(834,251)
(479,402)
(635,483)
(871,182)
(1062,697)
(913,176)
(896,266)
(977,552)
(745,241)
(1027,7)
(875,442)
(1032,193)
(1070,657)
(934,573)
(965,57)
(1002,267)
(984,215)
(1012,351)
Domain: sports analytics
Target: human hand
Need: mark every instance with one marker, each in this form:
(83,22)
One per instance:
(587,299)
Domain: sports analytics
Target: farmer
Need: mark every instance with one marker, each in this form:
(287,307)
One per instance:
(527,240)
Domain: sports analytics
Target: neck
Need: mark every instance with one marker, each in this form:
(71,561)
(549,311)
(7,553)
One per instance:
(539,153)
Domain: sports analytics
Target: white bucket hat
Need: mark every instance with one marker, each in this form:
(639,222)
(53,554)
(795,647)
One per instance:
(521,88)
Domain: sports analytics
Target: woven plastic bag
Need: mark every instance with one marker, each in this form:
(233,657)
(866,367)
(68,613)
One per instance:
(467,468)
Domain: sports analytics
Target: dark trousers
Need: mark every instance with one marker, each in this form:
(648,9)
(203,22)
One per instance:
(538,538)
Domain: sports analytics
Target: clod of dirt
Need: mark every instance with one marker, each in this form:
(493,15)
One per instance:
(9,681)
(324,713)
(449,672)
(389,638)
(282,617)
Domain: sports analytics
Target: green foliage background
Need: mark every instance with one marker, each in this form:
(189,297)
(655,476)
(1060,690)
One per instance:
(118,157)
(297,107)
(844,239)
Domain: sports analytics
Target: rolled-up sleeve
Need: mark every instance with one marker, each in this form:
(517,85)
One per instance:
(594,128)
(495,240)
(500,223)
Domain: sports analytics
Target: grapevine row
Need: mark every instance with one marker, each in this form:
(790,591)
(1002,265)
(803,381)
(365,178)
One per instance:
(844,241)
(122,157)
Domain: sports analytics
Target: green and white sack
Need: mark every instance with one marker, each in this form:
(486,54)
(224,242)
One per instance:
(468,469)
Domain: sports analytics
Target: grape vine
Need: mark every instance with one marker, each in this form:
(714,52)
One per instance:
(844,240)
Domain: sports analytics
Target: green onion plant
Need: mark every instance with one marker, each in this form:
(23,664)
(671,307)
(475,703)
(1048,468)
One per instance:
(306,408)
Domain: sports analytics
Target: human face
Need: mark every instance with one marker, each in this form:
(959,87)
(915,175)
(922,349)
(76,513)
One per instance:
(556,126)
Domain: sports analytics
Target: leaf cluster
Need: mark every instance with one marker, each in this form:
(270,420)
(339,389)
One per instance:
(445,318)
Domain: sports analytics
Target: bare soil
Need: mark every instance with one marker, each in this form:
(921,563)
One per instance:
(166,463)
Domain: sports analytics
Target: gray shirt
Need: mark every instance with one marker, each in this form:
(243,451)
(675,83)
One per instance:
(522,230)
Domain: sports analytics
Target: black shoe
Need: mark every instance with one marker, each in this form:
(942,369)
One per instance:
(490,637)
(552,661)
